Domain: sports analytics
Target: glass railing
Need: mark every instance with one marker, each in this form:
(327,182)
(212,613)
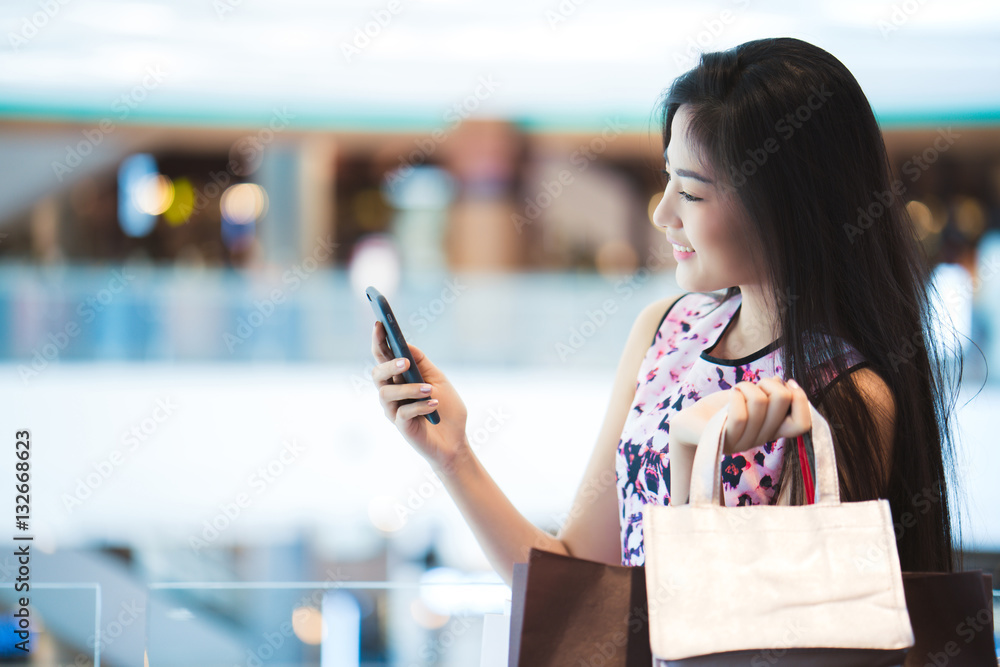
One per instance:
(327,624)
(275,624)
(51,624)
(337,624)
(144,313)
(179,314)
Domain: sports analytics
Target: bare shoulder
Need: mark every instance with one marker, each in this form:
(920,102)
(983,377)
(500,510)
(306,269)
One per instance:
(593,529)
(650,319)
(881,402)
(876,393)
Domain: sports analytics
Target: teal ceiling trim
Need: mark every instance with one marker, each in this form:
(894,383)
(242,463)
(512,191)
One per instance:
(379,121)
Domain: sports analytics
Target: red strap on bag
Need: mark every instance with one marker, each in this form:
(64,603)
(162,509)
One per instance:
(807,478)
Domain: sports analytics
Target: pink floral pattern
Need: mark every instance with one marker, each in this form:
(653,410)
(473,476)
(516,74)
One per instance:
(678,370)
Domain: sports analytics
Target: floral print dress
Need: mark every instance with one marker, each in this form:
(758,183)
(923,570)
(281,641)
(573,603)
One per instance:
(676,371)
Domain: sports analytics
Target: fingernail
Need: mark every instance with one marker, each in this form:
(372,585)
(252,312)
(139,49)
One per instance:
(425,388)
(792,382)
(400,363)
(432,402)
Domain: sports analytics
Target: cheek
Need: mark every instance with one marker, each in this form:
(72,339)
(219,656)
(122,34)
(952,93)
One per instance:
(723,229)
(713,236)
(731,248)
(710,235)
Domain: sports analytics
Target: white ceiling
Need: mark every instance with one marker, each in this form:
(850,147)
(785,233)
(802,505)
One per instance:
(235,61)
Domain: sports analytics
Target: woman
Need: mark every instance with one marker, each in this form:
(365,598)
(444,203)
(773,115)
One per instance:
(778,191)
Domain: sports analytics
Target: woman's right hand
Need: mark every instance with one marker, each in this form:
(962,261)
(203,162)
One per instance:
(442,444)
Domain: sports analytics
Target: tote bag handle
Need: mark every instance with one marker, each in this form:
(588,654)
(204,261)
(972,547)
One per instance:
(706,478)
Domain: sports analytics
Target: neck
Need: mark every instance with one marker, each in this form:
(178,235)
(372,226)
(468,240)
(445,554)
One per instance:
(756,324)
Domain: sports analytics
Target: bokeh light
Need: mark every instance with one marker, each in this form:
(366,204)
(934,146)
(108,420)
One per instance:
(970,218)
(425,617)
(182,206)
(307,623)
(923,220)
(383,514)
(375,261)
(243,203)
(154,194)
(132,174)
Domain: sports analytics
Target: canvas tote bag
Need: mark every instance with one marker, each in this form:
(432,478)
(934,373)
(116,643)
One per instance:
(813,584)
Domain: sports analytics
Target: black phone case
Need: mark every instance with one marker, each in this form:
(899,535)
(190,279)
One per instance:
(398,346)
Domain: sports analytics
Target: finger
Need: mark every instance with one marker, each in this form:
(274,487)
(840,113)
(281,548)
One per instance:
(428,371)
(800,421)
(779,399)
(687,424)
(756,402)
(398,392)
(389,372)
(415,409)
(421,361)
(380,347)
(736,420)
(715,401)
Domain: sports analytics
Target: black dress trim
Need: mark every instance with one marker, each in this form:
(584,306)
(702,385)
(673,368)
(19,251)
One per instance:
(753,356)
(847,371)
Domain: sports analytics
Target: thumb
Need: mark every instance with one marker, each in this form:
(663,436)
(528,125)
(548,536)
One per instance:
(420,359)
(428,371)
(716,401)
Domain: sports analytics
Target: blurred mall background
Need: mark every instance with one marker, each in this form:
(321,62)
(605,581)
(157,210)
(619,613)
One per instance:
(193,197)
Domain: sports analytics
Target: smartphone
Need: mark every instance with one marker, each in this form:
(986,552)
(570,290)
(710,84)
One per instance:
(398,346)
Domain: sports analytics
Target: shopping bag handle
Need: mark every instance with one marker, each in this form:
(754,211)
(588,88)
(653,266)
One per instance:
(705,472)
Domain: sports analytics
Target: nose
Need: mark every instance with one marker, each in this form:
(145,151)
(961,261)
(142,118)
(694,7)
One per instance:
(664,214)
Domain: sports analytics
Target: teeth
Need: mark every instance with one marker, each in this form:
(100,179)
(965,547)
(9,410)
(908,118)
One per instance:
(682,248)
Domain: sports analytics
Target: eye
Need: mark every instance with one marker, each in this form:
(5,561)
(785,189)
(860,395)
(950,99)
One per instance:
(682,193)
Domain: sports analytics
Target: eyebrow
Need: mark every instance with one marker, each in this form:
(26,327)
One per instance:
(688,173)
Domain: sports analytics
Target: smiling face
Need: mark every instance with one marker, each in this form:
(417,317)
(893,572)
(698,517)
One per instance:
(698,213)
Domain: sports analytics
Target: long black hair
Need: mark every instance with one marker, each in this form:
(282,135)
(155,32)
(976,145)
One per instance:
(790,135)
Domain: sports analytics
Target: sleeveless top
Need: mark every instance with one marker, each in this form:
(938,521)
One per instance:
(676,371)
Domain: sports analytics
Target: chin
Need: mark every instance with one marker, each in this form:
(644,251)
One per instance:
(687,281)
(693,283)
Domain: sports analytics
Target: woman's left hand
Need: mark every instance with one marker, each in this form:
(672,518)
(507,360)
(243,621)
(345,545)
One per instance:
(764,412)
(758,413)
